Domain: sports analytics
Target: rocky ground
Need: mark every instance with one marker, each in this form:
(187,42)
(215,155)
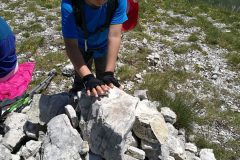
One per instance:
(171,42)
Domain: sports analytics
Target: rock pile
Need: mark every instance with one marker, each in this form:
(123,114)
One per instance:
(114,127)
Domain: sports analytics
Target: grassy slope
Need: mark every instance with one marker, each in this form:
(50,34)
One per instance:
(158,82)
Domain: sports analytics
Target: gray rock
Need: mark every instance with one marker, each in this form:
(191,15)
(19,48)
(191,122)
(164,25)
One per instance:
(150,124)
(172,130)
(30,149)
(127,157)
(190,155)
(207,154)
(68,70)
(16,157)
(169,115)
(45,107)
(176,148)
(131,140)
(152,150)
(62,140)
(92,156)
(135,152)
(72,115)
(191,147)
(84,149)
(31,158)
(141,94)
(15,134)
(110,120)
(5,153)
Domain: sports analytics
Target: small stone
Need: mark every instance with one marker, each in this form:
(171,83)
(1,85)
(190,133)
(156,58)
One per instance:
(84,148)
(207,154)
(145,41)
(72,115)
(136,153)
(191,147)
(141,94)
(169,115)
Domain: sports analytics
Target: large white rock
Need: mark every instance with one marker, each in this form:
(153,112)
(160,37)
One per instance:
(150,124)
(62,140)
(109,120)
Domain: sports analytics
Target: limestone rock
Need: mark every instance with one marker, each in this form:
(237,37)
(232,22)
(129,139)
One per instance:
(109,121)
(72,115)
(191,147)
(176,147)
(15,134)
(207,154)
(5,153)
(141,94)
(150,124)
(169,115)
(30,149)
(62,140)
(135,152)
(68,70)
(131,140)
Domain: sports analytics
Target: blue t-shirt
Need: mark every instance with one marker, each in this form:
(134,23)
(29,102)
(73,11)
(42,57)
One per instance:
(94,18)
(8,57)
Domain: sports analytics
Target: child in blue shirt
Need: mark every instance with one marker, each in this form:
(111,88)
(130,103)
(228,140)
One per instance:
(8,57)
(82,52)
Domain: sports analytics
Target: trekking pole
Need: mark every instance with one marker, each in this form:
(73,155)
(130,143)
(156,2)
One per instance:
(27,98)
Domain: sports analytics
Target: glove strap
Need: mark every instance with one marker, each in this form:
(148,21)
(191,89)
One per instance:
(108,73)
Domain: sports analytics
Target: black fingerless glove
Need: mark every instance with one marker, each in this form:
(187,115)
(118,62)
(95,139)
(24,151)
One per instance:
(91,82)
(108,77)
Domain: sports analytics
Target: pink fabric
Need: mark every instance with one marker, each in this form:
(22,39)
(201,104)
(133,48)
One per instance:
(17,84)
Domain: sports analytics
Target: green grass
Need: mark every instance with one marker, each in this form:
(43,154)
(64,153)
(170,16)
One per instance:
(7,15)
(48,3)
(157,83)
(33,8)
(234,59)
(162,31)
(181,49)
(47,63)
(193,37)
(31,44)
(137,59)
(220,152)
(126,72)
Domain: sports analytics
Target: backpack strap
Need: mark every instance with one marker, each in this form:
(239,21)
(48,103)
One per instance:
(78,10)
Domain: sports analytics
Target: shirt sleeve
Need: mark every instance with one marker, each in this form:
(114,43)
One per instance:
(120,15)
(69,28)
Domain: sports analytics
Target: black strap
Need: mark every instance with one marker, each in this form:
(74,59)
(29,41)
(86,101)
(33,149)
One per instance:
(78,10)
